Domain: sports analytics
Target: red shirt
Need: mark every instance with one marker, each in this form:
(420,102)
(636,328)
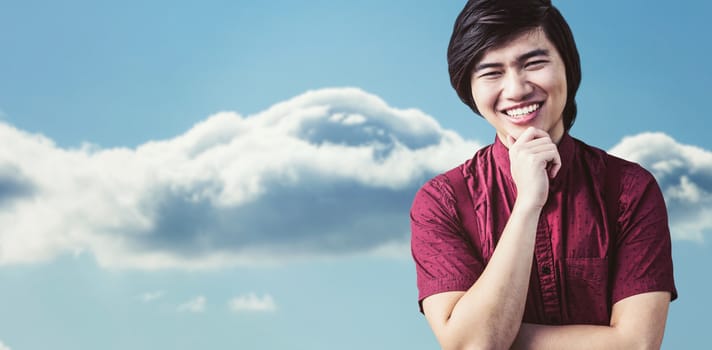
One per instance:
(581,267)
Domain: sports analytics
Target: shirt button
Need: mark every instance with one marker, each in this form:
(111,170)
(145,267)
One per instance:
(546,270)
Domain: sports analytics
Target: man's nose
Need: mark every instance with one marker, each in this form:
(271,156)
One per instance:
(516,86)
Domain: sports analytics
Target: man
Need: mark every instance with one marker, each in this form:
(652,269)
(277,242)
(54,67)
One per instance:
(538,241)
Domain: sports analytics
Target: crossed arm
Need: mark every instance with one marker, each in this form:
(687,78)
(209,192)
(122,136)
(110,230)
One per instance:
(637,322)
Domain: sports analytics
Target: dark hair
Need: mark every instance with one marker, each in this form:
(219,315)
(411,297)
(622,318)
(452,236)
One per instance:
(486,24)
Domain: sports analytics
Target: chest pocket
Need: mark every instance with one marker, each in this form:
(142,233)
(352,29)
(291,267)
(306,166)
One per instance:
(584,290)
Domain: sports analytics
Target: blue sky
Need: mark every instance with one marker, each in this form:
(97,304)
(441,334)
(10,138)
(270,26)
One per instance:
(167,127)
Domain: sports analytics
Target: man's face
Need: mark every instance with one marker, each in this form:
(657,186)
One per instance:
(521,84)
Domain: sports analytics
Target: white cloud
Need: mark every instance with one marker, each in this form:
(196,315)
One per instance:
(251,302)
(326,173)
(3,346)
(151,296)
(684,173)
(195,305)
(329,172)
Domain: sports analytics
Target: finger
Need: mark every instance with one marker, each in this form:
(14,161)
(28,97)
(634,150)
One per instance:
(545,148)
(548,159)
(543,141)
(555,165)
(526,136)
(531,134)
(544,159)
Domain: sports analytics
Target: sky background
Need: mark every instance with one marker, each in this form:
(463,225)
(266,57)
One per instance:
(238,174)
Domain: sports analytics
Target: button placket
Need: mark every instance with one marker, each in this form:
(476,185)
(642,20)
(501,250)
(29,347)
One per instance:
(547,274)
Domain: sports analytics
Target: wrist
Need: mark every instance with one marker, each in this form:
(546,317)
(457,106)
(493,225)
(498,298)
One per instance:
(527,208)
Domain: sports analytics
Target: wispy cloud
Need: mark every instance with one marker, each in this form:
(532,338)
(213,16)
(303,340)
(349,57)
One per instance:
(195,305)
(252,303)
(3,346)
(684,173)
(151,296)
(328,172)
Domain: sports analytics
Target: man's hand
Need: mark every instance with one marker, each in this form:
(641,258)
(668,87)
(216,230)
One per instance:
(534,159)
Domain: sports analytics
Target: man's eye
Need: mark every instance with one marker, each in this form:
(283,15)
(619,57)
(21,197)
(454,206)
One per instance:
(535,64)
(492,74)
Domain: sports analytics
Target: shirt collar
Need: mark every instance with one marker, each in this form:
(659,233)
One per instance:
(566,152)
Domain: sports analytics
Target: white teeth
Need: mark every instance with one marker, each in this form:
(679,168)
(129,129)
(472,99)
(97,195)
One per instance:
(516,112)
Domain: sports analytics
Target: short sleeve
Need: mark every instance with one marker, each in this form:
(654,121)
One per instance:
(643,258)
(444,258)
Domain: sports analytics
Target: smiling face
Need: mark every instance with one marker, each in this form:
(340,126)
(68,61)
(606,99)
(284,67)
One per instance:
(521,84)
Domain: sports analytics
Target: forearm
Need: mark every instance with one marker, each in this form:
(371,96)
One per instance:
(637,322)
(490,312)
(534,336)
